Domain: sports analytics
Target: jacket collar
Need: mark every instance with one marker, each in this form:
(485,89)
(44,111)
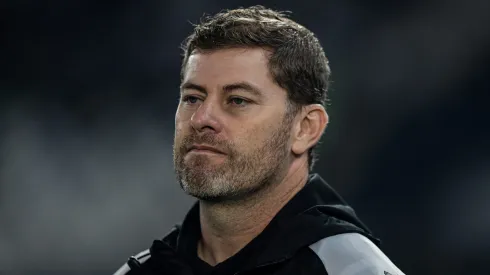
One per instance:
(314,213)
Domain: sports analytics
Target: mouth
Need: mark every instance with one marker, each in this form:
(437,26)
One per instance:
(204,149)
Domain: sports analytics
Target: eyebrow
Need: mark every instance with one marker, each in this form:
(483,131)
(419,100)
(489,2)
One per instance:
(192,86)
(245,86)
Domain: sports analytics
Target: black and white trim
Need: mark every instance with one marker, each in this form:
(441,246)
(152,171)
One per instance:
(134,260)
(353,254)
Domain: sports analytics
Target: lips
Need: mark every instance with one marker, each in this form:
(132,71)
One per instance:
(204,148)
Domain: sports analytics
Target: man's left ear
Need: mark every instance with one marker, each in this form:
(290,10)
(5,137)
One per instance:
(309,128)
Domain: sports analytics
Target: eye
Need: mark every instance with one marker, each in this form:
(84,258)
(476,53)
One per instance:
(238,101)
(190,99)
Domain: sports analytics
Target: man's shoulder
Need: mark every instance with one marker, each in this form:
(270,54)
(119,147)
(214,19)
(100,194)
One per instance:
(353,253)
(137,260)
(172,236)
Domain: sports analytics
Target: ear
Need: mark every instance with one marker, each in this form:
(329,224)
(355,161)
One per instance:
(309,128)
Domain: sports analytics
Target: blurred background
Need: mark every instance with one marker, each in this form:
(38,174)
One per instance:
(89,91)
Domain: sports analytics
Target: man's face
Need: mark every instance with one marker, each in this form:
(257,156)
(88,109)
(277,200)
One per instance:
(229,102)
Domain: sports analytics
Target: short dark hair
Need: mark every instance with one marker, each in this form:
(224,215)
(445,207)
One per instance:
(297,61)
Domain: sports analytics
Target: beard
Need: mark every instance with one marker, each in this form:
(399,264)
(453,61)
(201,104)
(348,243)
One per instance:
(240,175)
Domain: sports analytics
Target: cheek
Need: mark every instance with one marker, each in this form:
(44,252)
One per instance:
(181,122)
(180,133)
(182,114)
(254,137)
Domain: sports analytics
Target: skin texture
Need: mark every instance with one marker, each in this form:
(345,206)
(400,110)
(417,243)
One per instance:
(230,102)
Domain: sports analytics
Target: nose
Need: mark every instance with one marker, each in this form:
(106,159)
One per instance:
(206,117)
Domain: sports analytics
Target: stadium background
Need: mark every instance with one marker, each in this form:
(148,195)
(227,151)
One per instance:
(88,95)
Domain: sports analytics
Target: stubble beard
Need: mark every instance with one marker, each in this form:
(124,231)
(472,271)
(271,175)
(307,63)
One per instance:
(239,176)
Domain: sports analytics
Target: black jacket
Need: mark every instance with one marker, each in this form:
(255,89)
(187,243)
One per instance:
(316,232)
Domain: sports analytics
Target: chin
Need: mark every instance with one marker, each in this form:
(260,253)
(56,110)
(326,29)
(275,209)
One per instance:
(196,162)
(207,188)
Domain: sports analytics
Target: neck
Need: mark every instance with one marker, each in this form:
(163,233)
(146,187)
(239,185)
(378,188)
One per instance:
(227,228)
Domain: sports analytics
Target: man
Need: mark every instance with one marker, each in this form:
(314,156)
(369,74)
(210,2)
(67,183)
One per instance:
(253,90)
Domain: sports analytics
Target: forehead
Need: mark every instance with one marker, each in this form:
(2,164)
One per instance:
(223,67)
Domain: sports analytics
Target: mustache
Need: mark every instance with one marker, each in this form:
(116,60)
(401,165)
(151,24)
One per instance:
(207,139)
